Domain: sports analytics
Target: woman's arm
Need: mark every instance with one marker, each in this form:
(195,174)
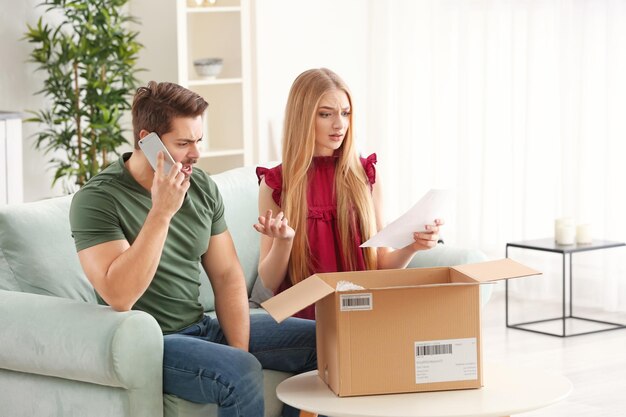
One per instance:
(276,240)
(400,258)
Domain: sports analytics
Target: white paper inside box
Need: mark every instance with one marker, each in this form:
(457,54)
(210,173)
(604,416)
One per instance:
(408,330)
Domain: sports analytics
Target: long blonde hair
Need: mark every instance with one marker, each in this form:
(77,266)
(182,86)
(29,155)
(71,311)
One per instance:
(355,210)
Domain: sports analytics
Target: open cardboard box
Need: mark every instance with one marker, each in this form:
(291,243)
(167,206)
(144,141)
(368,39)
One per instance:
(409,330)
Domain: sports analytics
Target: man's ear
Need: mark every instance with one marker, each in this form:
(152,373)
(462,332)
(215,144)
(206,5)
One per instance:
(143,133)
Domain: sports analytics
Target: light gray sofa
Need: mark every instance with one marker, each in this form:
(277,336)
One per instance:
(62,354)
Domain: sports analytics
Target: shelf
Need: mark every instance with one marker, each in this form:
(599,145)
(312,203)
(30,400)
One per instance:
(11,161)
(210,36)
(214,81)
(212,9)
(220,164)
(219,30)
(218,153)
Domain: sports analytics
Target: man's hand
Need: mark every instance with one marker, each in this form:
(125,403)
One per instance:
(168,188)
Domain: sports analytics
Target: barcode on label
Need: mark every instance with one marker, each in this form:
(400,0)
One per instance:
(425,350)
(356,302)
(445,360)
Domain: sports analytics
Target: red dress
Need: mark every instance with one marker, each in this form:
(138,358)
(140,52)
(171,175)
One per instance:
(322,228)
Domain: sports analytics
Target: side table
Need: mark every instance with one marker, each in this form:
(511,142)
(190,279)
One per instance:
(549,245)
(507,391)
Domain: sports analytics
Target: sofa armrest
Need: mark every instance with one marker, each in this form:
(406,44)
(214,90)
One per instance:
(79,341)
(444,255)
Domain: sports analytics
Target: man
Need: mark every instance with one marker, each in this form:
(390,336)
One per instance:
(141,236)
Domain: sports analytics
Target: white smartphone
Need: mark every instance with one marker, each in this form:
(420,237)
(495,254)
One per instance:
(151,145)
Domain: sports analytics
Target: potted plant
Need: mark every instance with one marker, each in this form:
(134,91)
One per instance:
(89,59)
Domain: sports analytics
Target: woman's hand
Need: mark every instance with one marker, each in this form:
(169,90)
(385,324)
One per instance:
(275,227)
(427,239)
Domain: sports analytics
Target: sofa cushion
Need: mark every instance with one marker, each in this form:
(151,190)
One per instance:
(36,239)
(37,253)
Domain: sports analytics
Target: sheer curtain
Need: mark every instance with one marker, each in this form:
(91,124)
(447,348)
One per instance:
(520,108)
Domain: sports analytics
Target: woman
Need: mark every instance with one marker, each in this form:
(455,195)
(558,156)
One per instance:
(330,195)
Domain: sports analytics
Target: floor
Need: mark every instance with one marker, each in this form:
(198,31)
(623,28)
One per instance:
(595,363)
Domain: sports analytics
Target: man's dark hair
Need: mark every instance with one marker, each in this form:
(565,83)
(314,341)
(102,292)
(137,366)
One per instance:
(156,104)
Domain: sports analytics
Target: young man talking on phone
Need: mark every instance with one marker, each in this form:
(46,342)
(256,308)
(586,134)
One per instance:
(142,235)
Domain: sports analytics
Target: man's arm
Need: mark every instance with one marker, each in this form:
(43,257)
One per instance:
(121,272)
(231,296)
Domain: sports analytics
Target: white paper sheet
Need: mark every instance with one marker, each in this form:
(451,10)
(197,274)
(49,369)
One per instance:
(435,204)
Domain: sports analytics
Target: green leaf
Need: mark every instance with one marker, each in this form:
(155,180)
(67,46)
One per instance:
(88,57)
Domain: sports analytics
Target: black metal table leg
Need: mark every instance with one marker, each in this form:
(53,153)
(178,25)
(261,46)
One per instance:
(549,245)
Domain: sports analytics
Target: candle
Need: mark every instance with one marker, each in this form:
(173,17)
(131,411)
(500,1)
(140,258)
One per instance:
(565,231)
(583,233)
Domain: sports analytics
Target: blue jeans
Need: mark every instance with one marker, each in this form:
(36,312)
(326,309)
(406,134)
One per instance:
(199,366)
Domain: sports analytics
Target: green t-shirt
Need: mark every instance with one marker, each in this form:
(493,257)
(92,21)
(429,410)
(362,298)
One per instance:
(113,206)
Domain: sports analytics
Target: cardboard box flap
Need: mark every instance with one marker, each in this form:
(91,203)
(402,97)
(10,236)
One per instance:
(445,284)
(495,270)
(294,299)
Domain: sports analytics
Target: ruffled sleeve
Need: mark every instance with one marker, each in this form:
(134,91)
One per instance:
(274,179)
(369,165)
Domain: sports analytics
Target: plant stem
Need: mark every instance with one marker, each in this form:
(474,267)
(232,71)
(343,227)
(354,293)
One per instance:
(79,134)
(104,149)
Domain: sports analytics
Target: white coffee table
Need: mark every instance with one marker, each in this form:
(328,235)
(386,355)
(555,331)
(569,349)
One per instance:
(506,391)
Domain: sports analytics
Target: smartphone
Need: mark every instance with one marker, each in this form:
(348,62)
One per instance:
(151,145)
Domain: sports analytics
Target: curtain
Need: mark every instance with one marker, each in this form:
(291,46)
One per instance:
(519,107)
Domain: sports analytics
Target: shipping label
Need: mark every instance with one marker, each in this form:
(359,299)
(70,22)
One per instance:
(446,360)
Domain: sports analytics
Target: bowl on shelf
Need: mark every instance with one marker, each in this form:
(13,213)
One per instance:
(208,67)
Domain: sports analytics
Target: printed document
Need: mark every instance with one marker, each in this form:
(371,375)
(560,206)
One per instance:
(435,204)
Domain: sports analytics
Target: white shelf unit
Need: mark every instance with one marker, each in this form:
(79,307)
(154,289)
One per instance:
(11,177)
(221,30)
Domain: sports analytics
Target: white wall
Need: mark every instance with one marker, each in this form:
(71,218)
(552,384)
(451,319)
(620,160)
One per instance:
(159,54)
(19,80)
(293,36)
(18,84)
(288,37)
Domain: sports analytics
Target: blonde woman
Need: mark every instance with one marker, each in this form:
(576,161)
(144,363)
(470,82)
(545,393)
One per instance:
(323,201)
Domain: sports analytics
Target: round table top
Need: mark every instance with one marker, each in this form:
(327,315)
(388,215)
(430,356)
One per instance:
(506,391)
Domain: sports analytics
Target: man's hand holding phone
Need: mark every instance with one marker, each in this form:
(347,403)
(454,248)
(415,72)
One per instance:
(169,184)
(168,188)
